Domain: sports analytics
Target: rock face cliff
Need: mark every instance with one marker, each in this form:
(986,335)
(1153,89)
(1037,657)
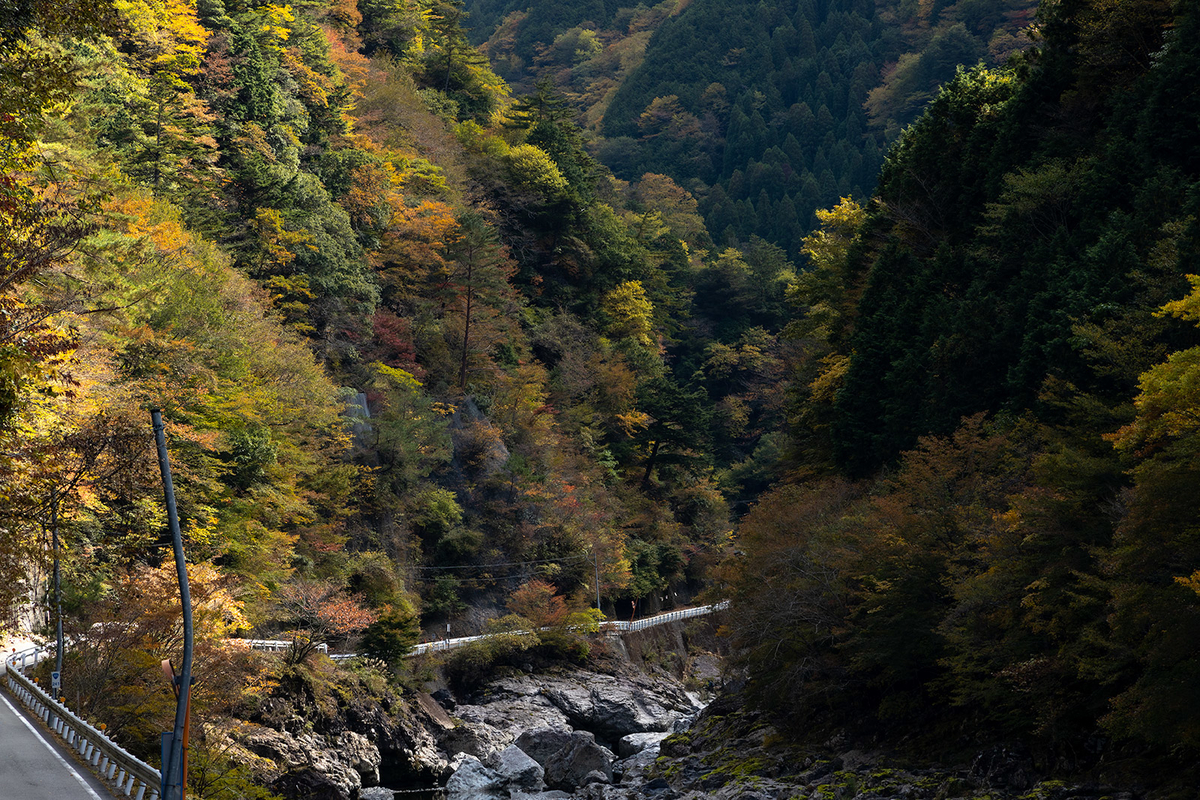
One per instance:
(326,734)
(337,734)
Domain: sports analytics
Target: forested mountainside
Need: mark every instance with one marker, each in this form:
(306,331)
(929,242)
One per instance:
(765,112)
(424,359)
(997,403)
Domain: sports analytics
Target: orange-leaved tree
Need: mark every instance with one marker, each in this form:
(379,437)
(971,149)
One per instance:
(111,670)
(320,612)
(539,602)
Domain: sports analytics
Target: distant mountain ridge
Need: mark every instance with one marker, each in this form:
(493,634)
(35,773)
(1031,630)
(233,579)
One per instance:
(766,112)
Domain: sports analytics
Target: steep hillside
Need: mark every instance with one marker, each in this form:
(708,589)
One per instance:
(410,341)
(993,535)
(426,361)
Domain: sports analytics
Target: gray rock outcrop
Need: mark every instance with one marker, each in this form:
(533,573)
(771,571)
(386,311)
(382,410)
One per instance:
(635,743)
(509,773)
(376,793)
(310,765)
(361,755)
(474,781)
(475,738)
(571,759)
(607,705)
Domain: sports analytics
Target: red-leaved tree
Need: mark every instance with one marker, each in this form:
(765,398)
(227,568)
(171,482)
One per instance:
(320,612)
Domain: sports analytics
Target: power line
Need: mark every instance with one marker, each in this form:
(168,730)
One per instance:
(568,560)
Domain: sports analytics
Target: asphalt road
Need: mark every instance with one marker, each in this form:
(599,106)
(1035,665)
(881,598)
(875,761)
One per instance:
(34,767)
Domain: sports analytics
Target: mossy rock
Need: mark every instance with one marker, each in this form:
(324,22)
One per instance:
(676,745)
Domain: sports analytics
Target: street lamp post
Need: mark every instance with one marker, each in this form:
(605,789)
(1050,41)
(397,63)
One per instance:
(174,773)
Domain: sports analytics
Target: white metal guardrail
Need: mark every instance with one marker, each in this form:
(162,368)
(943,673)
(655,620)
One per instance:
(279,645)
(129,775)
(663,619)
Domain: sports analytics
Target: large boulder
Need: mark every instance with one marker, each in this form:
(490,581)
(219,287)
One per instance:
(544,743)
(512,705)
(613,706)
(632,771)
(610,706)
(603,791)
(478,739)
(311,784)
(474,781)
(376,793)
(510,772)
(635,743)
(518,770)
(571,759)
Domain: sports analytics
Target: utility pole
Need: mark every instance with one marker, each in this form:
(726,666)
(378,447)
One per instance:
(56,683)
(596,564)
(58,581)
(174,772)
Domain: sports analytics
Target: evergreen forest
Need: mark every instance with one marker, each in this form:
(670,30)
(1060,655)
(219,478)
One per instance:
(878,319)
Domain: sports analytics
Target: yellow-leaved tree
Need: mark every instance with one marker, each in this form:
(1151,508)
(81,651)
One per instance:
(825,296)
(1155,565)
(629,313)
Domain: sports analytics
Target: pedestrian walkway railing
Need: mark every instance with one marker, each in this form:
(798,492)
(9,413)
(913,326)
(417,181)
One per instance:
(663,619)
(616,627)
(127,774)
(279,645)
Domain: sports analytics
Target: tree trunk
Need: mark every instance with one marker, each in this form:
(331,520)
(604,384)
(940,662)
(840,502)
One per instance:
(462,367)
(650,463)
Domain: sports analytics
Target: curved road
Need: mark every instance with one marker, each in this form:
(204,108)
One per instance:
(34,767)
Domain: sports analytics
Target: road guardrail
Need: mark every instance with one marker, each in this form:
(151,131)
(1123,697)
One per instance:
(128,774)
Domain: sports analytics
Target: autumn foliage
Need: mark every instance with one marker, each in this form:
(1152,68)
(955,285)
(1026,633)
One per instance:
(540,603)
(321,613)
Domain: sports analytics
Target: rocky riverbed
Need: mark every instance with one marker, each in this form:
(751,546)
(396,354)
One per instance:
(723,753)
(611,732)
(342,737)
(557,735)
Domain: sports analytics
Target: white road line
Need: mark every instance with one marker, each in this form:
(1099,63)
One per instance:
(91,792)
